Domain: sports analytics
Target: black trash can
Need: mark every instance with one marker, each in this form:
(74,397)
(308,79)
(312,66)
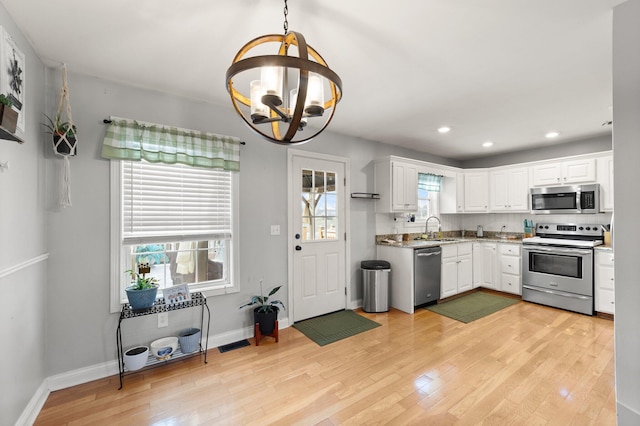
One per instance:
(376,277)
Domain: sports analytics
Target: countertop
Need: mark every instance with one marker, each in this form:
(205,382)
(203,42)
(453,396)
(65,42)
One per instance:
(417,244)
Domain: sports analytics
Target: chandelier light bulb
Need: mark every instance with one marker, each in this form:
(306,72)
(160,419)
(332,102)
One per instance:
(259,111)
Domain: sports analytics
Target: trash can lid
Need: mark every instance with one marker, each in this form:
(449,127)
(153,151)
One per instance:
(375,264)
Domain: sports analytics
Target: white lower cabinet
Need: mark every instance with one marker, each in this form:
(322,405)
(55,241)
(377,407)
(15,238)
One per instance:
(604,282)
(489,266)
(485,265)
(457,269)
(477,265)
(510,281)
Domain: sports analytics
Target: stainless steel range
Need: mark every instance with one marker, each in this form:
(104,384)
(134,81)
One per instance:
(557,265)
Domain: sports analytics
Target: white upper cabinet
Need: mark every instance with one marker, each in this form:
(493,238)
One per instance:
(565,172)
(459,192)
(397,184)
(605,179)
(509,189)
(405,187)
(476,191)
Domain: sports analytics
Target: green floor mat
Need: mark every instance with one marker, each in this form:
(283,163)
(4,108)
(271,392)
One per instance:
(472,307)
(333,327)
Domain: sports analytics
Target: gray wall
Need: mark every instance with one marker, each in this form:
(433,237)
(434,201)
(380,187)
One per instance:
(626,154)
(22,230)
(79,236)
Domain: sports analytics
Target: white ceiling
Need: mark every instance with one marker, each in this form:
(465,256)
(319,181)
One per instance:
(501,70)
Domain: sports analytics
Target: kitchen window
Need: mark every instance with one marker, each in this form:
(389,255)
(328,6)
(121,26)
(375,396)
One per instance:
(428,195)
(174,206)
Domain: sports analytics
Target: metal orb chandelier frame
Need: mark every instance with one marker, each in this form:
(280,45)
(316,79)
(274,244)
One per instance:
(285,118)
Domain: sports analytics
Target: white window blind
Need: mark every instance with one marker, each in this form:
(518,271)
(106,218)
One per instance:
(172,202)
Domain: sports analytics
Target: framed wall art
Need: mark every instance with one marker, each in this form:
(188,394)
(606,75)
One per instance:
(13,75)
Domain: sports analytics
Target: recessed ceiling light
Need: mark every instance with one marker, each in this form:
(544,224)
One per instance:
(487,144)
(552,135)
(444,129)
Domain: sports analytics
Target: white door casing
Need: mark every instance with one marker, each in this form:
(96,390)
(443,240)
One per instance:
(318,228)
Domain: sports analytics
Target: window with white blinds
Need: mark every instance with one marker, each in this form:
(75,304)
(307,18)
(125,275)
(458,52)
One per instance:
(173,202)
(179,221)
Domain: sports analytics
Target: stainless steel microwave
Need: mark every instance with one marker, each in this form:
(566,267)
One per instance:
(566,199)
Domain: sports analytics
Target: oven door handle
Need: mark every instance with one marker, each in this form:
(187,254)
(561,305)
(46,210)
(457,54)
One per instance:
(557,250)
(556,293)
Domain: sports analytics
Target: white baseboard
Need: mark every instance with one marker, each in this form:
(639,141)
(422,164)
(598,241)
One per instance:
(110,368)
(626,415)
(31,411)
(355,304)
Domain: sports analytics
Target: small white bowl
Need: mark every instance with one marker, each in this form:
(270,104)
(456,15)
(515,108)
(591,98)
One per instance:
(163,348)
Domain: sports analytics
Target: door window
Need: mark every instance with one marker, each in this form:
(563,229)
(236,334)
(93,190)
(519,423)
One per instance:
(319,198)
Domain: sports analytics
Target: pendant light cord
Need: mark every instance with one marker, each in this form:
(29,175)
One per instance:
(286,23)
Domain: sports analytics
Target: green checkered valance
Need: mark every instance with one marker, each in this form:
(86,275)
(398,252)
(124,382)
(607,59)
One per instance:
(429,182)
(133,140)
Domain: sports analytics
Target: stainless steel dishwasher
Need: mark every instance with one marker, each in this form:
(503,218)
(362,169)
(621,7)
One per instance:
(426,276)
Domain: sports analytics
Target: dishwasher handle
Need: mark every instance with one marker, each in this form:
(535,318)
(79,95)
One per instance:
(433,253)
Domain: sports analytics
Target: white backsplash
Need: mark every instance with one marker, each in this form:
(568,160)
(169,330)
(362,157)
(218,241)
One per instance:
(489,221)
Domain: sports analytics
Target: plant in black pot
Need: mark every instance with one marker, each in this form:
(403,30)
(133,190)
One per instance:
(266,313)
(142,292)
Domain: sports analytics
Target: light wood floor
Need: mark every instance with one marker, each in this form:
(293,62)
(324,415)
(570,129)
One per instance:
(524,365)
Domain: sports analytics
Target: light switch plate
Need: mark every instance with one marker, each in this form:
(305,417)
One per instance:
(163,319)
(275,229)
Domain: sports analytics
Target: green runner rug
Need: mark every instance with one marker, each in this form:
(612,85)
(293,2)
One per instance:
(472,307)
(333,327)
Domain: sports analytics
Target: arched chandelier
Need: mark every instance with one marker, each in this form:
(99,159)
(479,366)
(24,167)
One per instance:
(291,90)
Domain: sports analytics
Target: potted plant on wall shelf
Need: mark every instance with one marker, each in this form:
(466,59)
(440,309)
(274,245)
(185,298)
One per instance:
(142,293)
(8,116)
(265,315)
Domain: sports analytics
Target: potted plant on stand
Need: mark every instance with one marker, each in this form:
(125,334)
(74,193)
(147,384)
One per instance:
(265,315)
(142,293)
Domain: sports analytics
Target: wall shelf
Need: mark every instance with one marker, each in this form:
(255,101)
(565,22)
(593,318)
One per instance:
(5,134)
(197,299)
(365,195)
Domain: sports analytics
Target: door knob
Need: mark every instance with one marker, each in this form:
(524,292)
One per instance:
(297,236)
(298,248)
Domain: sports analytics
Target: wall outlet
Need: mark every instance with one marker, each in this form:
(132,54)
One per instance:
(275,229)
(163,319)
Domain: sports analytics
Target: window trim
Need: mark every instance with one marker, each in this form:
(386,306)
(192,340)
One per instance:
(117,254)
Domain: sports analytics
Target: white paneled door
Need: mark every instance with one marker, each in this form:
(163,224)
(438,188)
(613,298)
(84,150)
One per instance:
(318,237)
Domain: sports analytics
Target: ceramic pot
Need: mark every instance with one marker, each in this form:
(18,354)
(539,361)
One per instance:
(141,299)
(189,340)
(136,358)
(266,320)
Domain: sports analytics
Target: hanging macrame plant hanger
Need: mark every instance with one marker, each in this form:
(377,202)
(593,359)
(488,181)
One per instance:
(65,138)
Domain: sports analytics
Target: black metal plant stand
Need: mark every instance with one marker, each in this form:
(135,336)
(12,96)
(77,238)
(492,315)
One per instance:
(197,299)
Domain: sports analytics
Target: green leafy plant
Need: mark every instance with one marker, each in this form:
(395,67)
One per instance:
(264,304)
(140,282)
(4,100)
(59,127)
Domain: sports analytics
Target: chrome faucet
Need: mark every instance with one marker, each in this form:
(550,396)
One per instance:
(501,231)
(426,225)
